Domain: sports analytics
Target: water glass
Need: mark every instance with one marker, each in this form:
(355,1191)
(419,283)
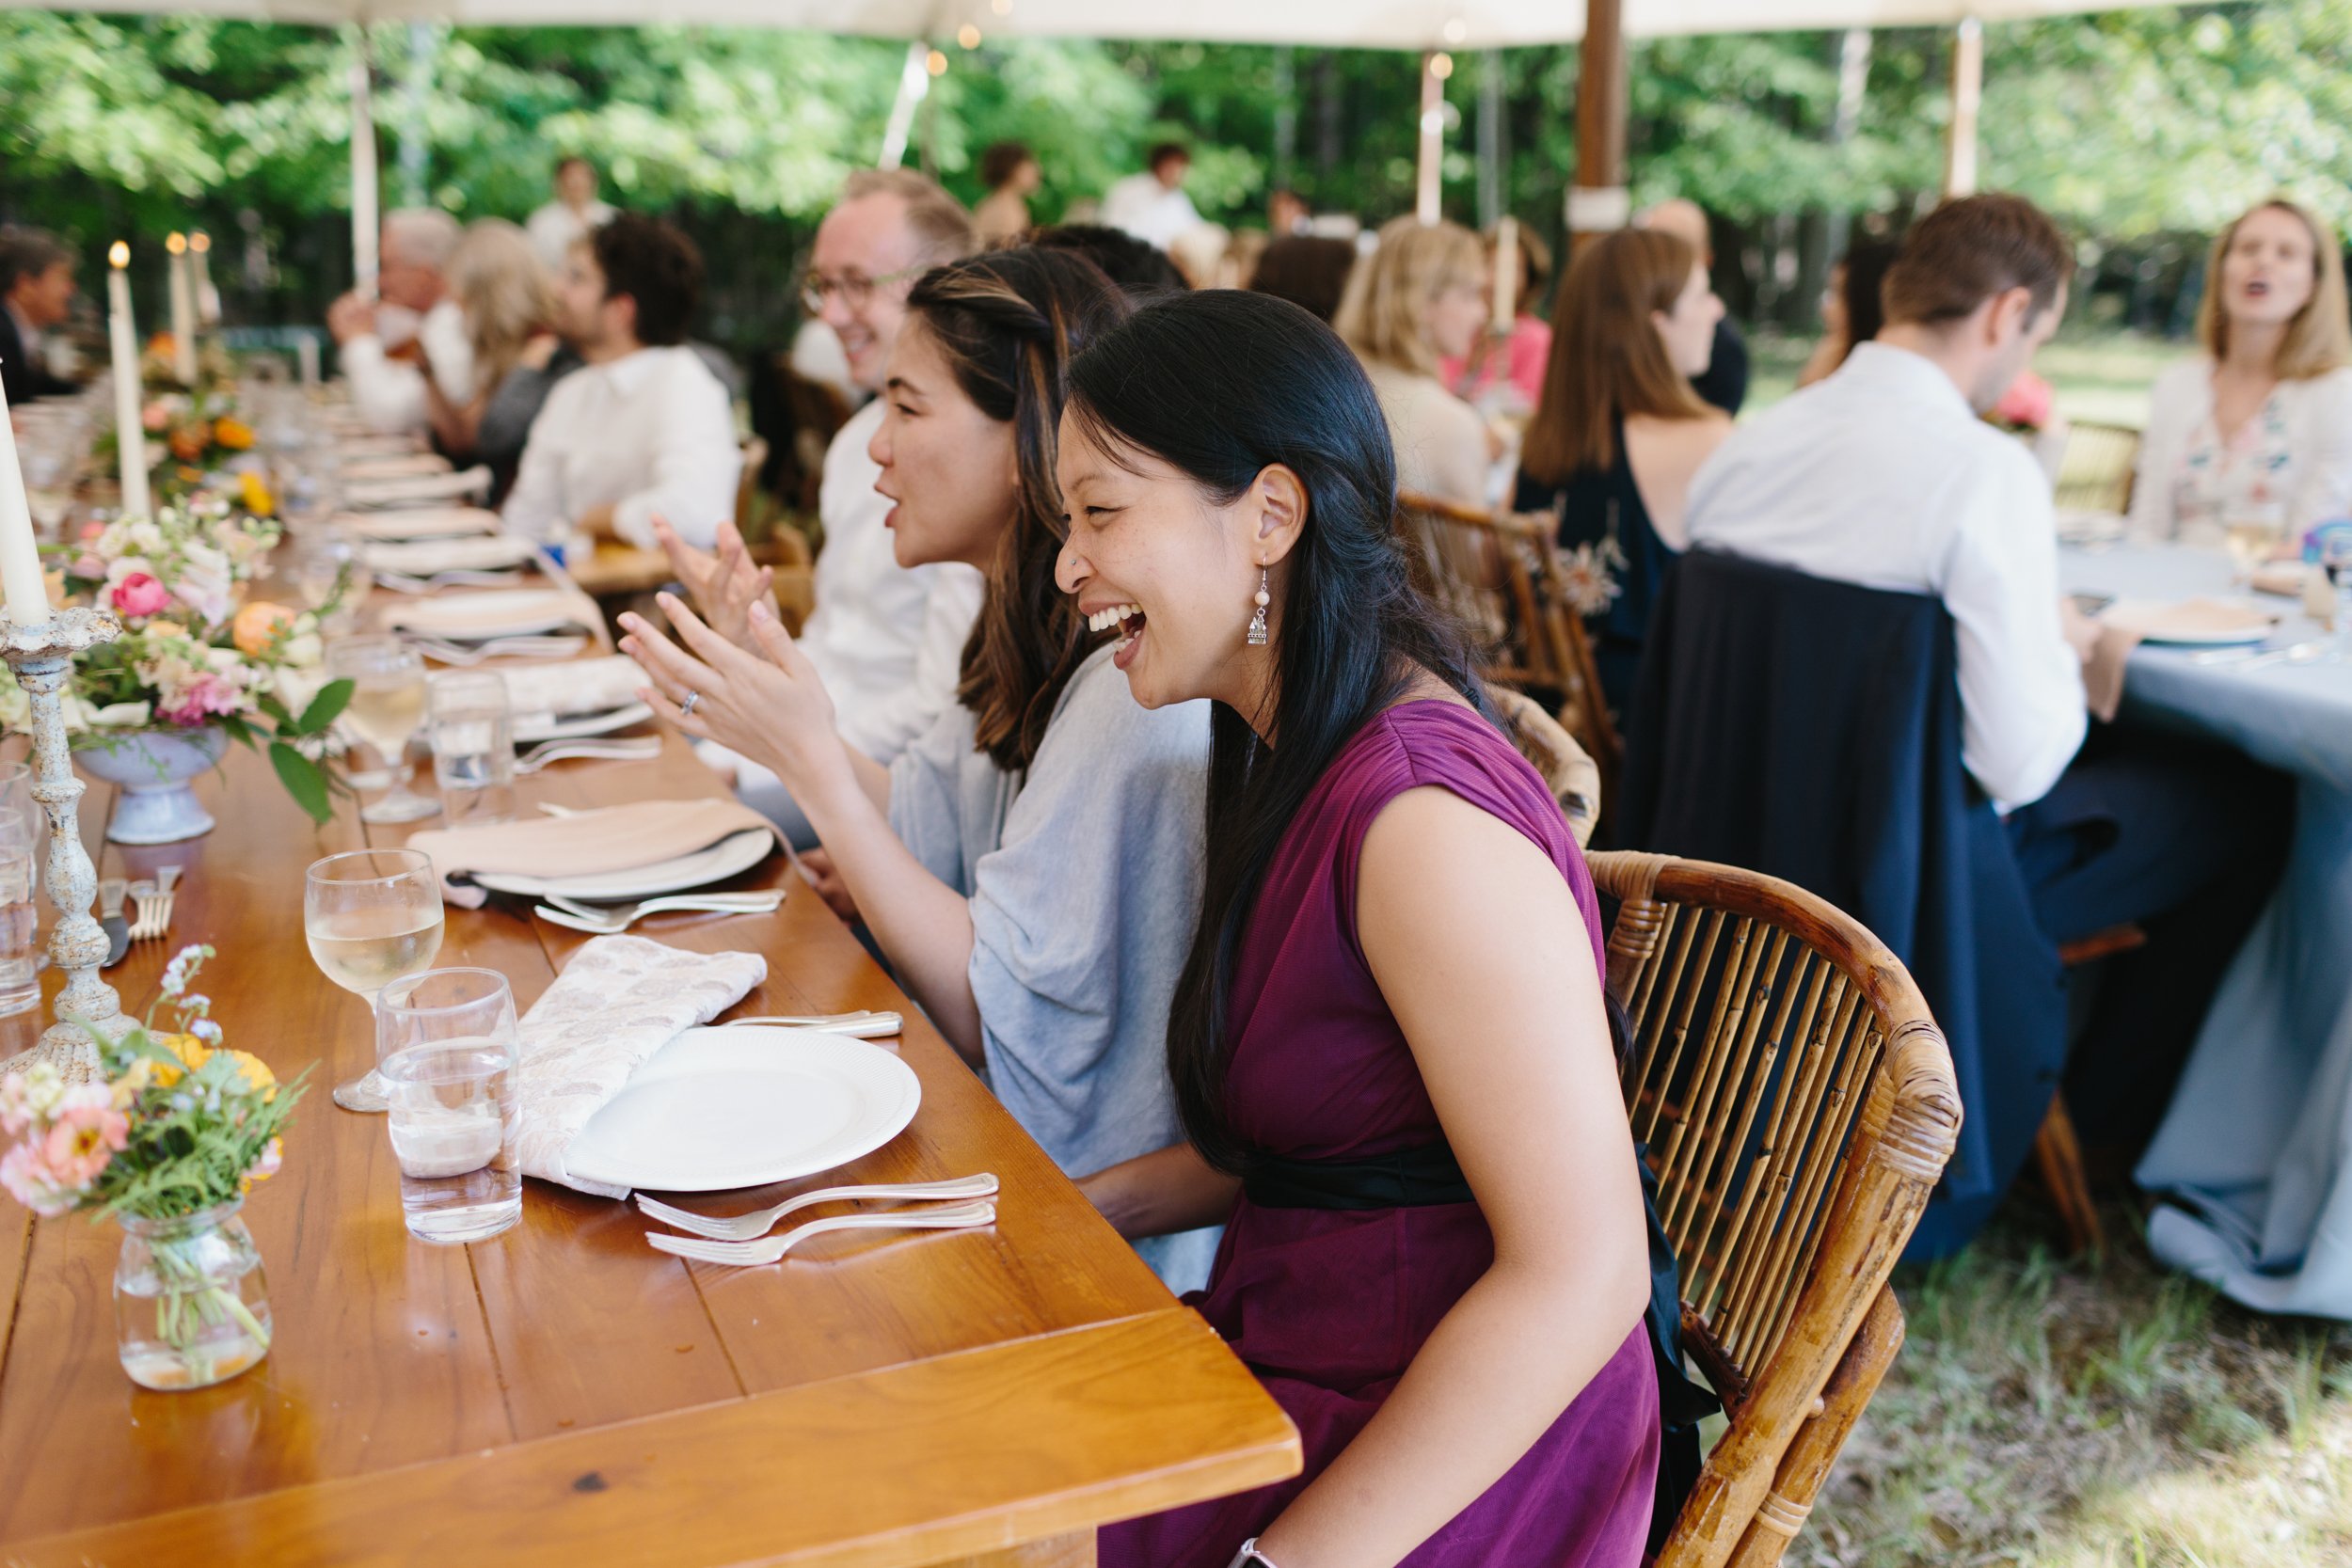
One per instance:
(474,747)
(371,917)
(20,919)
(387,709)
(445,1044)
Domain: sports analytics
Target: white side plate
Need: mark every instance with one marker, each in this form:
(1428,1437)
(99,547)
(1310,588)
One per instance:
(736,852)
(2198,622)
(493,613)
(529,731)
(722,1108)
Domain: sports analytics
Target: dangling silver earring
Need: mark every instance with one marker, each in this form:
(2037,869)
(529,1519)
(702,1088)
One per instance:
(1257,622)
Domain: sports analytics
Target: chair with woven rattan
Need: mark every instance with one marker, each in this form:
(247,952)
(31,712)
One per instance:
(1569,772)
(1799,1105)
(2096,470)
(1501,573)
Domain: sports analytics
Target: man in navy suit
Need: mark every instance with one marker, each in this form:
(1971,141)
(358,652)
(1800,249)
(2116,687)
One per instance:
(36,294)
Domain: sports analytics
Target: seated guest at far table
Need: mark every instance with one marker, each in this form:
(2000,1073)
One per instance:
(1389,1044)
(1724,382)
(35,294)
(1418,299)
(1138,268)
(1152,205)
(1851,310)
(510,313)
(384,344)
(572,216)
(1887,476)
(887,638)
(1030,865)
(1619,432)
(2257,430)
(1309,270)
(642,429)
(1504,373)
(1011,172)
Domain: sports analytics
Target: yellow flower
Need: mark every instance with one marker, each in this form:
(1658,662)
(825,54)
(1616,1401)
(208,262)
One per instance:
(254,491)
(161,627)
(234,432)
(134,1083)
(256,1071)
(190,1051)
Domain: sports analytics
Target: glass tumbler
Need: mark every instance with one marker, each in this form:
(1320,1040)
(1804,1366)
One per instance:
(474,747)
(445,1044)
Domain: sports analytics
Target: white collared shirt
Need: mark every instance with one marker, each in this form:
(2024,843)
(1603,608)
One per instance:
(389,393)
(1150,211)
(1882,476)
(554,227)
(649,433)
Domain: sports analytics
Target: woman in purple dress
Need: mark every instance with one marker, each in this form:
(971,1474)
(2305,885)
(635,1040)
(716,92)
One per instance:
(1389,1044)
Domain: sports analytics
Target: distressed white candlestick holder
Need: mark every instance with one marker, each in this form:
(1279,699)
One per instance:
(42,657)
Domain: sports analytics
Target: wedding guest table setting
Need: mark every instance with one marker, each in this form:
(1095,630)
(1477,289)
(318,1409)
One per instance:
(865,1321)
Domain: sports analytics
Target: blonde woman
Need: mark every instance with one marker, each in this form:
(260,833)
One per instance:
(2254,435)
(1420,297)
(509,303)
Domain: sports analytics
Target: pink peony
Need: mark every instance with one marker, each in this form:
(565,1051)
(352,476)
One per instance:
(198,699)
(142,594)
(85,1136)
(33,1184)
(154,417)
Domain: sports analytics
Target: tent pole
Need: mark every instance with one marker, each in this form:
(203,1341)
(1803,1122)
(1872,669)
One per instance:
(915,81)
(1598,201)
(1960,152)
(1490,149)
(1436,65)
(365,199)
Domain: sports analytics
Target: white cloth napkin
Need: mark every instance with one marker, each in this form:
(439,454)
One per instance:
(574,687)
(365,494)
(424,557)
(620,1000)
(442,523)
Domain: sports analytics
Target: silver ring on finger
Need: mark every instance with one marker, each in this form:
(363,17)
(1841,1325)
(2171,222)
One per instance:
(686,708)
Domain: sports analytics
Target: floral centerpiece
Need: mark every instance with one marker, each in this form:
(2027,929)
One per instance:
(198,665)
(168,1145)
(196,441)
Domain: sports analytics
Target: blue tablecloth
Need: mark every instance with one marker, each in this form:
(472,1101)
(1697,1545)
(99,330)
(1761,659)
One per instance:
(2255,1155)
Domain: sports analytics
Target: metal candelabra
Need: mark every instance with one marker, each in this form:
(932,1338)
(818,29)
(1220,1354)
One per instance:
(42,656)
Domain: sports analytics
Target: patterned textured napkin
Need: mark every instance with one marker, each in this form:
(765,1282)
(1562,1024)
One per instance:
(580,843)
(620,1000)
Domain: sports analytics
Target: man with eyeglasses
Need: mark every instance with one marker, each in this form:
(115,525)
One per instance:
(887,639)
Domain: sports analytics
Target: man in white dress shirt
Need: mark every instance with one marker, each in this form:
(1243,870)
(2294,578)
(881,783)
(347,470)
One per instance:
(642,429)
(555,228)
(387,344)
(1152,205)
(888,640)
(1885,474)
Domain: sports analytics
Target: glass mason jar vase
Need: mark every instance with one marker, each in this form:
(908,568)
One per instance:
(191,1305)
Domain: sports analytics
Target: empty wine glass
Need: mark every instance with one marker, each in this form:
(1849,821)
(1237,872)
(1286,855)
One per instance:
(371,916)
(386,707)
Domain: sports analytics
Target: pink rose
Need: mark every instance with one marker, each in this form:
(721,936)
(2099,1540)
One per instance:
(197,701)
(2028,403)
(85,1136)
(141,594)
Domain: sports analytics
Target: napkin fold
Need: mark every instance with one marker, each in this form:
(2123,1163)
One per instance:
(580,843)
(439,523)
(495,612)
(468,552)
(577,686)
(399,491)
(620,1000)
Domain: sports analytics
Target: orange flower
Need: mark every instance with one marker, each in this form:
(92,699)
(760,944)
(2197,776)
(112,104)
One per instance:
(256,1071)
(234,432)
(188,442)
(257,626)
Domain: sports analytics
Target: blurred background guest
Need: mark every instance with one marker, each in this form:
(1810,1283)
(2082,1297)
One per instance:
(1419,297)
(1619,432)
(1287,213)
(35,294)
(1725,381)
(1201,253)
(2255,434)
(1504,373)
(510,313)
(1011,172)
(642,429)
(386,342)
(574,211)
(1306,269)
(1851,311)
(1152,205)
(1137,267)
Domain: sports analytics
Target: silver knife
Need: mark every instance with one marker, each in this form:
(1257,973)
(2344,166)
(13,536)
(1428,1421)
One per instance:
(117,930)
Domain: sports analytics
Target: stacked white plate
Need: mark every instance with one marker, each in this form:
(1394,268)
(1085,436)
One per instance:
(731,856)
(448,522)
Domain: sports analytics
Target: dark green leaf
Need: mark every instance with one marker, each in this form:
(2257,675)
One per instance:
(325,707)
(302,779)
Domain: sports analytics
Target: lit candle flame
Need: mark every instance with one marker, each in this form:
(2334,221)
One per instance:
(119,254)
(175,242)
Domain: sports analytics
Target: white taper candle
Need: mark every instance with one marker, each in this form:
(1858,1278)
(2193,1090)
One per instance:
(1506,274)
(130,435)
(183,312)
(20,555)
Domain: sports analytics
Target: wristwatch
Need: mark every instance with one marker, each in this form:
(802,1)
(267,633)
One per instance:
(1249,1553)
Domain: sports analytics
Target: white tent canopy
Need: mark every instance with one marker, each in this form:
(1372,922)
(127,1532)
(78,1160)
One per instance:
(1347,23)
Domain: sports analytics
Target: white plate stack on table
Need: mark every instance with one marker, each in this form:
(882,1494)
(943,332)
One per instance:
(514,623)
(408,466)
(585,697)
(638,851)
(427,566)
(2199,622)
(446,522)
(376,495)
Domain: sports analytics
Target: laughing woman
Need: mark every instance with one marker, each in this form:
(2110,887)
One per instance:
(1032,865)
(1388,1045)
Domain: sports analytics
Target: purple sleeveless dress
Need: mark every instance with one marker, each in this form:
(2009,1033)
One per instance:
(1328,1307)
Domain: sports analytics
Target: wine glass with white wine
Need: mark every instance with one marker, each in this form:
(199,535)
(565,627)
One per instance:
(388,692)
(372,916)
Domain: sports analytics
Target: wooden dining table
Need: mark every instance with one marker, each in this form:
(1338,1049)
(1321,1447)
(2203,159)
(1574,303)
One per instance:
(562,1395)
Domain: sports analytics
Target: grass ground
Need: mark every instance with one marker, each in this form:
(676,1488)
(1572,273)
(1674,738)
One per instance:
(2092,1413)
(2101,376)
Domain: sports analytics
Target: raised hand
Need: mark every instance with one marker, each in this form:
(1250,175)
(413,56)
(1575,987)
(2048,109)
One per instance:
(725,583)
(765,702)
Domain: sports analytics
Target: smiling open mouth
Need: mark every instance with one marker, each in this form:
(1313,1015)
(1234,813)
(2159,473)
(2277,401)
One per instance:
(1128,618)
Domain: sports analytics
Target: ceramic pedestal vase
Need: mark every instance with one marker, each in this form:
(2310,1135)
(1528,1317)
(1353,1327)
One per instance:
(191,1308)
(151,768)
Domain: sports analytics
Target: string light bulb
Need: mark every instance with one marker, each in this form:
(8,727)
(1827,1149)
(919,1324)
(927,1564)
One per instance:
(1457,30)
(969,35)
(936,64)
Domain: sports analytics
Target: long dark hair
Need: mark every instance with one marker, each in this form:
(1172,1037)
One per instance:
(1221,384)
(1007,323)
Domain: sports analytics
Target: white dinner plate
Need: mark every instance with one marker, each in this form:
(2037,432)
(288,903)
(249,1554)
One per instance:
(722,1108)
(446,522)
(405,467)
(531,730)
(495,612)
(736,852)
(2194,623)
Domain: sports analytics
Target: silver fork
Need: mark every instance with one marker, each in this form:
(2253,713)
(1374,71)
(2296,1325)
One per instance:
(754,1254)
(750,1227)
(864,1027)
(153,901)
(605,923)
(549,751)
